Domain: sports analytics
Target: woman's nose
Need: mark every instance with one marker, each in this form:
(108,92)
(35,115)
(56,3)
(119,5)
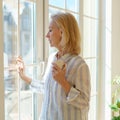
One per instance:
(47,35)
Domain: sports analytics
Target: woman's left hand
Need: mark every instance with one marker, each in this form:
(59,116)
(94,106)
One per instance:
(58,73)
(59,76)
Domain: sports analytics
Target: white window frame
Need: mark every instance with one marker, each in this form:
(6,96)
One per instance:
(1,66)
(42,5)
(40,43)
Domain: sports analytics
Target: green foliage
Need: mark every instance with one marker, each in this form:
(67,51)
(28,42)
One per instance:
(116,118)
(116,80)
(115,106)
(118,103)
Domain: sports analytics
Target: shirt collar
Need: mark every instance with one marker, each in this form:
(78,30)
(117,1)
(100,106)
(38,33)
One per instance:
(66,57)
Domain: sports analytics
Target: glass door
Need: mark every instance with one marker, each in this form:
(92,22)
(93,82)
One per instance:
(86,14)
(20,38)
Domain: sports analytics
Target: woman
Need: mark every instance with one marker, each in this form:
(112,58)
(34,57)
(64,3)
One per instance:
(66,88)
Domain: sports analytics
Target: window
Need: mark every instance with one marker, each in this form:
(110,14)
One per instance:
(89,29)
(71,6)
(20,38)
(25,24)
(90,49)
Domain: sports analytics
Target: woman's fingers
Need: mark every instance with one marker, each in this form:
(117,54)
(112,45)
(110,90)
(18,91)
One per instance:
(19,64)
(19,60)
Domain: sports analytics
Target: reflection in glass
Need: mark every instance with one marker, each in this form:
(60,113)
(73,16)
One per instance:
(10,49)
(18,98)
(26,32)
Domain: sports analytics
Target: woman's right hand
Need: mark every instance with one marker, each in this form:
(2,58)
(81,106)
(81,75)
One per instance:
(20,67)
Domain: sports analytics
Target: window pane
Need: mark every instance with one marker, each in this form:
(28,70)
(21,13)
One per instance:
(92,63)
(27,41)
(19,39)
(57,3)
(90,37)
(26,105)
(92,111)
(72,5)
(28,52)
(10,50)
(54,10)
(77,17)
(91,8)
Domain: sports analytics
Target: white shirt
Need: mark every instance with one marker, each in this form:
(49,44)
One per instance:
(75,106)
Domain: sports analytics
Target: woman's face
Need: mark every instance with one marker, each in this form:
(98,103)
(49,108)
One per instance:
(54,35)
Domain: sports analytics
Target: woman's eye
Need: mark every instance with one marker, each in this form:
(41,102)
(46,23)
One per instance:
(50,30)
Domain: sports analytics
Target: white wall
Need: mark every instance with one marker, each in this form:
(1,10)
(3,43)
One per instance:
(115,37)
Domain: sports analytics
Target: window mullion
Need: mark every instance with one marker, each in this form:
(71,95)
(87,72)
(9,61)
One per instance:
(39,29)
(46,21)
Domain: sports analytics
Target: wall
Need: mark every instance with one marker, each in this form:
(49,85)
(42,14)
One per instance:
(115,37)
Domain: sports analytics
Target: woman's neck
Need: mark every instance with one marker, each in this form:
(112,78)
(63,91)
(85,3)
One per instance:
(59,54)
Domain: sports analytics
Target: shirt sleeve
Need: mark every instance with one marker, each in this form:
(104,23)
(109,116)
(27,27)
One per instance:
(79,95)
(37,86)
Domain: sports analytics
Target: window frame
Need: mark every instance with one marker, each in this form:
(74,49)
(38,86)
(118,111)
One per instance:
(40,54)
(42,5)
(1,66)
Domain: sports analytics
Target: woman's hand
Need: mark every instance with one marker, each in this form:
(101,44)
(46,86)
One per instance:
(59,76)
(58,72)
(21,69)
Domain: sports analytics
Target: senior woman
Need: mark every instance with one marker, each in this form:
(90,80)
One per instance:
(67,78)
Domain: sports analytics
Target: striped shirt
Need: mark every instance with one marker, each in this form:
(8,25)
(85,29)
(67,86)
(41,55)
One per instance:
(56,105)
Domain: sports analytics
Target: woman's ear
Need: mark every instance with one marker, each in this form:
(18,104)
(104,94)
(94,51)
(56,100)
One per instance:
(61,32)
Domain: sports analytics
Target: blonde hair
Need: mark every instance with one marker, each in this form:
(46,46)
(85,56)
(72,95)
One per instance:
(71,34)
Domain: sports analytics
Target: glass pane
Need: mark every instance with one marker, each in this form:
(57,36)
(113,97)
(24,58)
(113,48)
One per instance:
(29,100)
(77,17)
(11,105)
(10,12)
(28,48)
(54,10)
(25,105)
(92,63)
(27,40)
(72,5)
(90,37)
(91,8)
(57,3)
(92,111)
(19,39)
